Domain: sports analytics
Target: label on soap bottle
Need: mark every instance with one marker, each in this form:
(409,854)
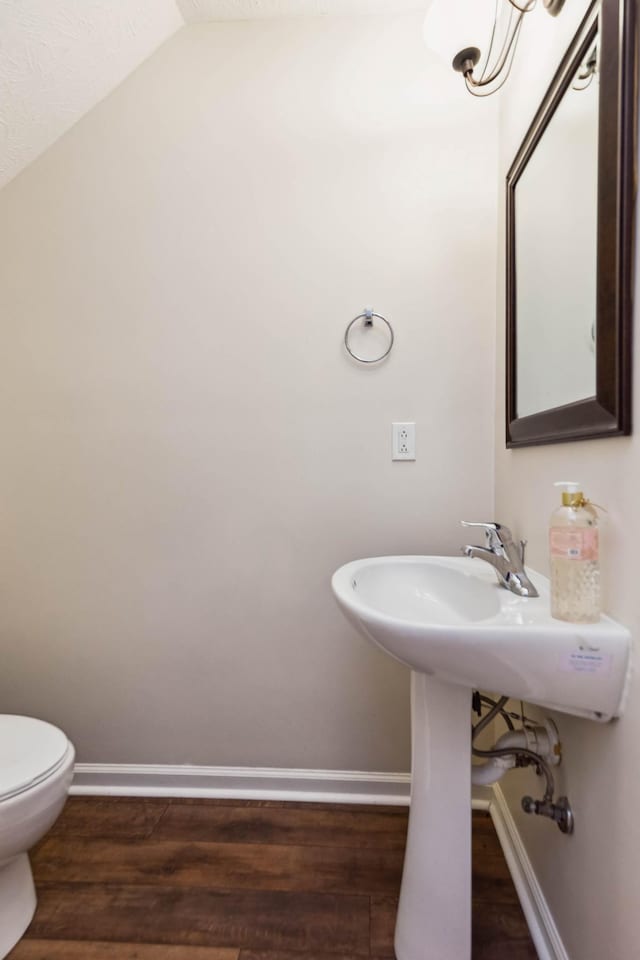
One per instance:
(567,544)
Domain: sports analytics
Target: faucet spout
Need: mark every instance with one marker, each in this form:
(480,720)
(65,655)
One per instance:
(504,556)
(481,553)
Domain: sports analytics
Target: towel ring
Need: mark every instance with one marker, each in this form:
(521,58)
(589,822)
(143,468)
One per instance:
(368,316)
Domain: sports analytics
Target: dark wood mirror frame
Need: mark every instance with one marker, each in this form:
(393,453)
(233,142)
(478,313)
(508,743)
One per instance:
(609,412)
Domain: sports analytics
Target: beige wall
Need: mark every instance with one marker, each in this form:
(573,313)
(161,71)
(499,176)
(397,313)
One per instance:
(590,879)
(187,454)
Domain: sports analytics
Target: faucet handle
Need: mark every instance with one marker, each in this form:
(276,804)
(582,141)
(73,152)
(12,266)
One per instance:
(497,534)
(487,526)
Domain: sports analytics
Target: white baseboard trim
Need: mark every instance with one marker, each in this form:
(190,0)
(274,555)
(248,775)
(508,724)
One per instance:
(481,798)
(544,932)
(241,783)
(250,783)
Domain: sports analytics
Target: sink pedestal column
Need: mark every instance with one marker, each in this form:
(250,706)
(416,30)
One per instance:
(434,915)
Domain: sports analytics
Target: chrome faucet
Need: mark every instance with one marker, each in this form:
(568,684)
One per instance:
(505,557)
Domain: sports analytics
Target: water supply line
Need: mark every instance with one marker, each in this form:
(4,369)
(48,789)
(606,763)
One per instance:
(532,745)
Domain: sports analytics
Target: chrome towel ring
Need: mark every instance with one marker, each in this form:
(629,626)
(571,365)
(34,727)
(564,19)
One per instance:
(368,317)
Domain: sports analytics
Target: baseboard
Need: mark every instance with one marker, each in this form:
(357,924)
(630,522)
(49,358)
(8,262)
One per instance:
(241,783)
(544,932)
(481,798)
(250,783)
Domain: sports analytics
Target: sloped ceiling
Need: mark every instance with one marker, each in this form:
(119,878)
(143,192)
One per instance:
(59,58)
(199,10)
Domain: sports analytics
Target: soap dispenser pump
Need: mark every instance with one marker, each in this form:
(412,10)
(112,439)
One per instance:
(574,555)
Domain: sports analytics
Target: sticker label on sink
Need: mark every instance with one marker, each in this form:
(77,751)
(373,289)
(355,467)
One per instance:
(587,661)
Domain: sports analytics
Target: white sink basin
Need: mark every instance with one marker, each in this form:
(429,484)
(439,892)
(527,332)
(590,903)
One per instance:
(449,618)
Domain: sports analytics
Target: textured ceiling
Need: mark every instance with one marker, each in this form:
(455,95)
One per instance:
(58,58)
(198,10)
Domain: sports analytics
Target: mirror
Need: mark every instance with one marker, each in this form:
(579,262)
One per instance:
(570,201)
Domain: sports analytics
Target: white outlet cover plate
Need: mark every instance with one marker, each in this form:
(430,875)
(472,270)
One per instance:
(403,441)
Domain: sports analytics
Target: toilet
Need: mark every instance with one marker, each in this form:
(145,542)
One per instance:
(36,769)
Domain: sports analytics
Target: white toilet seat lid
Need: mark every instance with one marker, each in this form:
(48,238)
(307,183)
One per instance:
(29,751)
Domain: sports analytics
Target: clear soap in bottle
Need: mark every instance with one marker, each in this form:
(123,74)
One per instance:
(574,555)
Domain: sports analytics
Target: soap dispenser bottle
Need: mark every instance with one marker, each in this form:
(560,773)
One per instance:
(574,554)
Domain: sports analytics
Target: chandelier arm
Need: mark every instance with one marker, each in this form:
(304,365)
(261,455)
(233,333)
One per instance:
(475,89)
(528,7)
(492,41)
(506,56)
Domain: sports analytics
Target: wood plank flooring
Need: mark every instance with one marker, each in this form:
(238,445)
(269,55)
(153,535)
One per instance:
(123,879)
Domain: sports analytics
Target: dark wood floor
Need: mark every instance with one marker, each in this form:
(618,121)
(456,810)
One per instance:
(129,879)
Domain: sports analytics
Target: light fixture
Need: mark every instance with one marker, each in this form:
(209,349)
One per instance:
(448,23)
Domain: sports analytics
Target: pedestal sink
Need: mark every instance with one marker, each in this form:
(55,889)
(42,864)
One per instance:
(458,630)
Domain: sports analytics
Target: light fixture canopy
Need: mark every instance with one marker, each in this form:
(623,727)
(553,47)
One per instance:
(469,21)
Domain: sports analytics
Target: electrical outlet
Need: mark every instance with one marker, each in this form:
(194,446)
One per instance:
(403,441)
